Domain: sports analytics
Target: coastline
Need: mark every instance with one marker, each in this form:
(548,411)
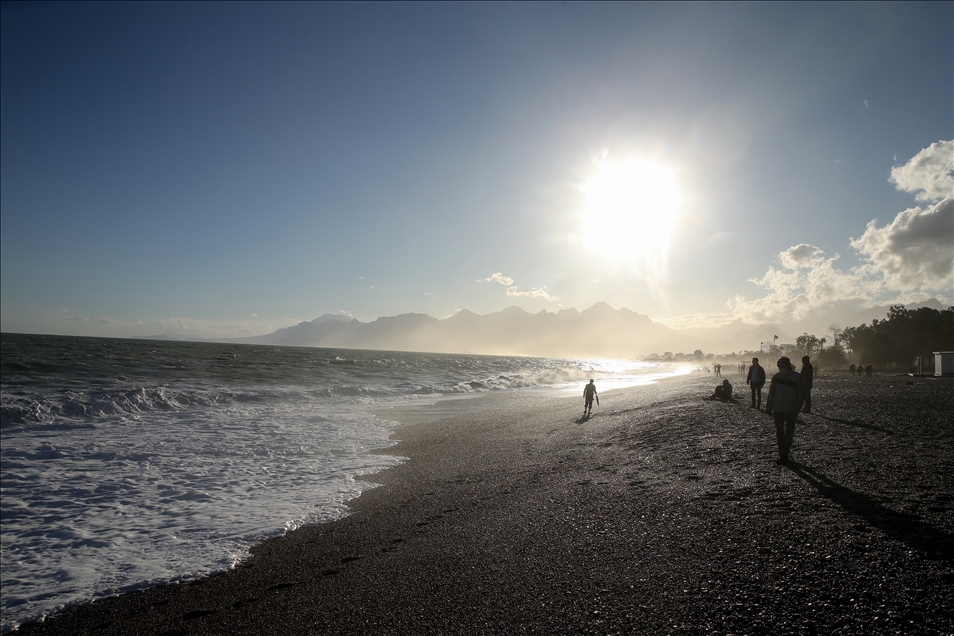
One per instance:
(664,513)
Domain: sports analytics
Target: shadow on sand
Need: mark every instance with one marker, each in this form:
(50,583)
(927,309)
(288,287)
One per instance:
(905,527)
(870,427)
(585,418)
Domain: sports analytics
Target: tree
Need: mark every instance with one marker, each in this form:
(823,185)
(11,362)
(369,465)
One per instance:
(902,336)
(833,356)
(809,344)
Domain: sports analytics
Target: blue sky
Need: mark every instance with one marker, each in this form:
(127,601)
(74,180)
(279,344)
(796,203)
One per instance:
(228,169)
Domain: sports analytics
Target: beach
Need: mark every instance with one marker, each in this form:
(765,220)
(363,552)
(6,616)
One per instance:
(663,513)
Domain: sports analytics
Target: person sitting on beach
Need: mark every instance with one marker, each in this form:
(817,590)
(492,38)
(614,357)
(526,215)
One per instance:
(723,392)
(589,392)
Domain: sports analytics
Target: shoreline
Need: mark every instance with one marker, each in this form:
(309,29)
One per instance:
(664,513)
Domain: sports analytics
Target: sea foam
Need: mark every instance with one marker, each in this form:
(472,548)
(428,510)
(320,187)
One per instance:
(127,464)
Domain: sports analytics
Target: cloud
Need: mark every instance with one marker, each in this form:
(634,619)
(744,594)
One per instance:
(496,277)
(803,282)
(801,256)
(913,252)
(513,290)
(911,258)
(533,293)
(929,174)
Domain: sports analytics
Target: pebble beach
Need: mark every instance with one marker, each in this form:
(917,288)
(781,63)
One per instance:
(664,513)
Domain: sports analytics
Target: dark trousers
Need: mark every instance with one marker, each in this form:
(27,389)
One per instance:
(756,395)
(785,432)
(807,408)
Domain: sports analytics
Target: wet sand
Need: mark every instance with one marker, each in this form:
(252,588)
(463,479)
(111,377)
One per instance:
(662,514)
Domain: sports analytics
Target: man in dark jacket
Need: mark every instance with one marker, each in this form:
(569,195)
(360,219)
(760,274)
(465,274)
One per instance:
(756,380)
(786,394)
(808,377)
(589,392)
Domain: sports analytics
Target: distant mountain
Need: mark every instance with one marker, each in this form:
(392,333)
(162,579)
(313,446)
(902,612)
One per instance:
(737,336)
(304,332)
(752,337)
(598,332)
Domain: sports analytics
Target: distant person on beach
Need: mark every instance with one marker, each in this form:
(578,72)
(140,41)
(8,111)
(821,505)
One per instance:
(808,378)
(589,393)
(786,394)
(756,380)
(723,392)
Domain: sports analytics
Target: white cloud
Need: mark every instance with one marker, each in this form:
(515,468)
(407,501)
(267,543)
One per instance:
(513,290)
(914,252)
(533,293)
(800,256)
(496,277)
(911,258)
(805,282)
(930,174)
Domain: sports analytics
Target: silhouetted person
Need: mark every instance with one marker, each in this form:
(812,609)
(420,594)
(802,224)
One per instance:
(589,393)
(851,369)
(756,380)
(869,369)
(808,378)
(723,392)
(786,393)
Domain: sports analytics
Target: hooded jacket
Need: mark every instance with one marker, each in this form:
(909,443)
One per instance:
(786,393)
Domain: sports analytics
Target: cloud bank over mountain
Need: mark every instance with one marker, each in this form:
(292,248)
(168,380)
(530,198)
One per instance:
(909,259)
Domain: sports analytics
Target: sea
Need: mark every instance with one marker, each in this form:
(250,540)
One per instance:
(130,463)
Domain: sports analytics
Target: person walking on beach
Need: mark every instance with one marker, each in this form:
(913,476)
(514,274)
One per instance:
(786,394)
(808,377)
(589,393)
(756,380)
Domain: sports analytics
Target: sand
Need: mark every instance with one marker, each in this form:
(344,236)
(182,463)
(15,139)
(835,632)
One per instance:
(662,514)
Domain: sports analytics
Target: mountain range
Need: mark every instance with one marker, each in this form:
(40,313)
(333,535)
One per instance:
(597,332)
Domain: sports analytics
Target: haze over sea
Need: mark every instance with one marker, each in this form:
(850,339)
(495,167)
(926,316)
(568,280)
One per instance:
(132,463)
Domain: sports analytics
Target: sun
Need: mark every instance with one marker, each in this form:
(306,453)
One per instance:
(629,210)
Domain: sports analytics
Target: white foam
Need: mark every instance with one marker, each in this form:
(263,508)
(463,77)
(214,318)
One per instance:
(124,503)
(167,477)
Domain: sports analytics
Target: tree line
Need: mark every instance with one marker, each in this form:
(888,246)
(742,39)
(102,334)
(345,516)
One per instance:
(894,341)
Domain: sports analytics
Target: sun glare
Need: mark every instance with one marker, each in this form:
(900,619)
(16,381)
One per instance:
(629,210)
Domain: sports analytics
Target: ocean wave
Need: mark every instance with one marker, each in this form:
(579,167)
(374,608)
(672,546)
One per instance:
(81,405)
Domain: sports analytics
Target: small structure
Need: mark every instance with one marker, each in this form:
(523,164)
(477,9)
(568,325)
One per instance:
(944,363)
